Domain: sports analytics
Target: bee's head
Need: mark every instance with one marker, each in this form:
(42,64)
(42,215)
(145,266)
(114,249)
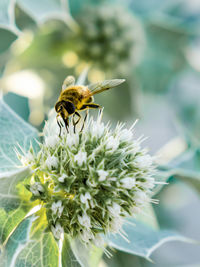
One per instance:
(63,106)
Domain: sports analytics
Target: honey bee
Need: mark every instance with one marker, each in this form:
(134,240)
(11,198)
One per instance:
(74,98)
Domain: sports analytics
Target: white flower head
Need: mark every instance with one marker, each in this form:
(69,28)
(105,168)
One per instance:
(112,143)
(84,220)
(36,189)
(128,182)
(144,161)
(51,141)
(51,162)
(57,208)
(102,175)
(57,230)
(70,177)
(80,158)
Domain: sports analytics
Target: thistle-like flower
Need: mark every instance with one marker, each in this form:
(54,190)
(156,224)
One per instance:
(91,180)
(113,32)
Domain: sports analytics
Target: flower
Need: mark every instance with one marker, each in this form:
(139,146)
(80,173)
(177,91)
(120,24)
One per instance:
(126,135)
(80,158)
(51,162)
(91,180)
(84,199)
(51,141)
(36,189)
(122,38)
(86,235)
(84,220)
(116,224)
(114,209)
(144,161)
(128,182)
(112,143)
(57,230)
(57,208)
(102,175)
(62,178)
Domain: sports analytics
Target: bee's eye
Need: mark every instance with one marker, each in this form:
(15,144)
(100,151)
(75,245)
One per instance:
(69,106)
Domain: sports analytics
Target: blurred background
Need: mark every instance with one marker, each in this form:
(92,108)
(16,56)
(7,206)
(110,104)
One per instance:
(155,46)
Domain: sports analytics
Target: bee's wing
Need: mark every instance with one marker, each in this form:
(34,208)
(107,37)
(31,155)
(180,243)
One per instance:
(99,87)
(69,80)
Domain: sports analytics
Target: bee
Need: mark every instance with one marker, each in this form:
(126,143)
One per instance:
(74,98)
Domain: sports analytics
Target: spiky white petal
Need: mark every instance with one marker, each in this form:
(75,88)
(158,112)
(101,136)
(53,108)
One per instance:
(51,162)
(57,208)
(102,175)
(112,143)
(86,235)
(126,135)
(36,189)
(51,141)
(128,182)
(84,220)
(144,161)
(62,178)
(57,230)
(84,199)
(114,210)
(80,158)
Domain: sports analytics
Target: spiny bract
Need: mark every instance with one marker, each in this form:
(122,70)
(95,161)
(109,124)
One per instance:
(89,181)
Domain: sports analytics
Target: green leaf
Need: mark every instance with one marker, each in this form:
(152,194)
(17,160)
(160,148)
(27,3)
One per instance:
(45,9)
(7,15)
(21,250)
(75,252)
(13,131)
(144,240)
(17,240)
(13,208)
(67,254)
(186,168)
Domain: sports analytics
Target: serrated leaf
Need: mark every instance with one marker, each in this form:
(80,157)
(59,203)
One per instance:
(45,9)
(144,240)
(13,208)
(75,254)
(186,168)
(21,250)
(13,131)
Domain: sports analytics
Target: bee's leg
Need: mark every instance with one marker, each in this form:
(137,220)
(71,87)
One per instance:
(59,127)
(90,106)
(76,122)
(66,121)
(59,124)
(86,114)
